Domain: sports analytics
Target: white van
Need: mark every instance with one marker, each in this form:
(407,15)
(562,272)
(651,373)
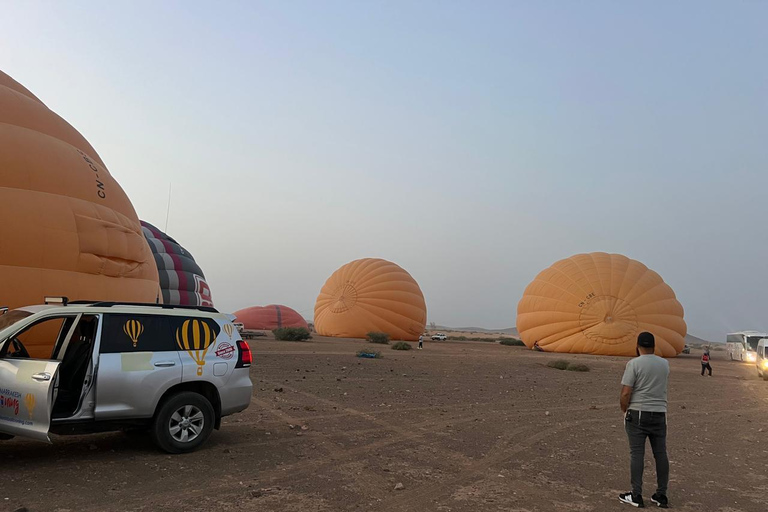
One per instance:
(762,358)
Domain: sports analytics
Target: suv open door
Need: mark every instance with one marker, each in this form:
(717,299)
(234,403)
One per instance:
(26,397)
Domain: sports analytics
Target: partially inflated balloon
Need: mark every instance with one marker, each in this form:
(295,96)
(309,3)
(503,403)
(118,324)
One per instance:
(598,303)
(181,279)
(370,295)
(66,226)
(266,318)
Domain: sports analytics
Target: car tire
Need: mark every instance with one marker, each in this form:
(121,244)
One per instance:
(183,422)
(6,437)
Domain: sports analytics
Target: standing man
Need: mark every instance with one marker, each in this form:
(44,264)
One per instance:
(644,404)
(705,362)
(421,341)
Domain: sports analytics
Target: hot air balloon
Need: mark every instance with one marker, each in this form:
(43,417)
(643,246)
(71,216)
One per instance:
(370,295)
(598,303)
(67,228)
(181,279)
(266,318)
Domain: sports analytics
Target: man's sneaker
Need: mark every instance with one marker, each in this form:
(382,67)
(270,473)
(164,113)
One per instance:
(632,499)
(660,500)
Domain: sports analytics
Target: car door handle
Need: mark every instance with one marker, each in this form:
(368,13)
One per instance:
(42,376)
(165,364)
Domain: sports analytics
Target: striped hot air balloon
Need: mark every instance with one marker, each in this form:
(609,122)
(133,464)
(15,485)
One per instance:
(196,337)
(182,280)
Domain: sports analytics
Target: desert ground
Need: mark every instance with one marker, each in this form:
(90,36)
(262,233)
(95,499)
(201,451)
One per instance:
(462,426)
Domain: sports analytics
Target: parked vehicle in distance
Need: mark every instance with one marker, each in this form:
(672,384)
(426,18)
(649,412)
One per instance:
(439,336)
(82,367)
(742,345)
(761,361)
(686,349)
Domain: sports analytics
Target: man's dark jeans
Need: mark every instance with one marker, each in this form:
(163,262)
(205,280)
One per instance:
(652,425)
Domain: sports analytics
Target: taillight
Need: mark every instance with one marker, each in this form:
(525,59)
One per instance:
(245,357)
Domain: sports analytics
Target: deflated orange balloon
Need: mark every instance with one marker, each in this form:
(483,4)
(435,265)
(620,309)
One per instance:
(598,303)
(66,226)
(370,295)
(267,318)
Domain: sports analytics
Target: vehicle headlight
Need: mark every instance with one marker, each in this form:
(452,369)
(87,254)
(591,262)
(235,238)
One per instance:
(751,356)
(765,364)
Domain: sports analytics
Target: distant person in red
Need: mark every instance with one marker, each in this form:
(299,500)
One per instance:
(705,363)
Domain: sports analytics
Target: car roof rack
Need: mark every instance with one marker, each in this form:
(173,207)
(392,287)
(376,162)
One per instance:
(109,304)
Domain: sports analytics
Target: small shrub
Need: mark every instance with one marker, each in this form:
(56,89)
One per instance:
(402,345)
(561,364)
(378,337)
(511,342)
(457,338)
(558,364)
(291,334)
(369,354)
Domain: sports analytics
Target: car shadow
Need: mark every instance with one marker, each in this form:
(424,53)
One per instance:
(111,446)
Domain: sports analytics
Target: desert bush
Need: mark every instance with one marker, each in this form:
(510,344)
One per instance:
(457,338)
(370,354)
(511,342)
(378,337)
(402,345)
(559,364)
(291,334)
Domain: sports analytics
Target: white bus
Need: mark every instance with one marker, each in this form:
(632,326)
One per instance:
(742,346)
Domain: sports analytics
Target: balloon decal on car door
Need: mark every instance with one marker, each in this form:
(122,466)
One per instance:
(133,330)
(196,336)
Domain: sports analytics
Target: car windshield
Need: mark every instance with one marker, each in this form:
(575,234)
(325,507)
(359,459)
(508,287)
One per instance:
(752,342)
(11,317)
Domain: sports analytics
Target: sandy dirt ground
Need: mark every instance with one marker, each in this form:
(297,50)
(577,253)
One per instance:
(463,426)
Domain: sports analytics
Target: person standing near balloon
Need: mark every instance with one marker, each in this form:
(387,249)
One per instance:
(644,404)
(705,362)
(421,341)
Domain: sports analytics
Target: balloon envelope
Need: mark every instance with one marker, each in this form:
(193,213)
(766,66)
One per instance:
(267,318)
(598,303)
(370,295)
(67,227)
(181,279)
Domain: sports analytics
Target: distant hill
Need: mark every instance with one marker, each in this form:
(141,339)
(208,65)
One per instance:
(690,339)
(509,330)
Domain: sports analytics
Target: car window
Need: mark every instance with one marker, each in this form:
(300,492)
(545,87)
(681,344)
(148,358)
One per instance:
(38,339)
(136,333)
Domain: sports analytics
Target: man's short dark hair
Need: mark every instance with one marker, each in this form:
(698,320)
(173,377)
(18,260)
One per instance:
(646,340)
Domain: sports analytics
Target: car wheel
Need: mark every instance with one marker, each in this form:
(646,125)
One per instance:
(183,423)
(6,437)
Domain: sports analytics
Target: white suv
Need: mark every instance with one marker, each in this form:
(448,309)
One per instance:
(72,368)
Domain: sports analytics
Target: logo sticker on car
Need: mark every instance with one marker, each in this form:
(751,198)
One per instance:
(225,350)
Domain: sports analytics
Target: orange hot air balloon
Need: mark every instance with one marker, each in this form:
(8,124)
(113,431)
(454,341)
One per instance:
(370,295)
(598,303)
(67,228)
(266,318)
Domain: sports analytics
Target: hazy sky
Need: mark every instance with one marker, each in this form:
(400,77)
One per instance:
(473,143)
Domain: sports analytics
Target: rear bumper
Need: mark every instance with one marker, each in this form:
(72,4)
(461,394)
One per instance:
(237,395)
